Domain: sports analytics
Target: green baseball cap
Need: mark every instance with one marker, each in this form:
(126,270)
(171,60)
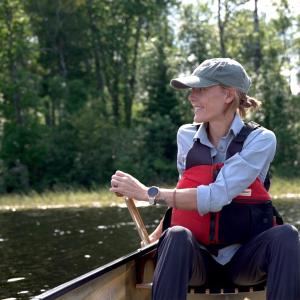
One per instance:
(225,71)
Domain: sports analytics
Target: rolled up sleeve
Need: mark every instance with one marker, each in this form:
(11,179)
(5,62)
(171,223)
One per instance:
(238,172)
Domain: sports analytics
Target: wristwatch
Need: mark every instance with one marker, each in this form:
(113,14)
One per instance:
(152,193)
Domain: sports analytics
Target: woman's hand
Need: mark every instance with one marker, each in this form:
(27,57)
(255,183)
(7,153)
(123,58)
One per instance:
(155,235)
(152,237)
(124,184)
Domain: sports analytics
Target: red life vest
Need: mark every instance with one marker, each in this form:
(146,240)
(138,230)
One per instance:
(247,215)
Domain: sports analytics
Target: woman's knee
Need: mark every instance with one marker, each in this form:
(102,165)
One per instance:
(181,240)
(287,231)
(286,235)
(179,234)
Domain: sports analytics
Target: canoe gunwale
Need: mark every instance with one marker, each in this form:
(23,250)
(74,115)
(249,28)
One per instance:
(68,286)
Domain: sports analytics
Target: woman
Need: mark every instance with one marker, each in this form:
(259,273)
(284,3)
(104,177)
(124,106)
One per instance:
(223,165)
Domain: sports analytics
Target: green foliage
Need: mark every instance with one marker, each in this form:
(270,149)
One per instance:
(84,85)
(160,147)
(22,155)
(197,35)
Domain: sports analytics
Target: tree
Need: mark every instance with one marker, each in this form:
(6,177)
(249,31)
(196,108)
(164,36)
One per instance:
(257,52)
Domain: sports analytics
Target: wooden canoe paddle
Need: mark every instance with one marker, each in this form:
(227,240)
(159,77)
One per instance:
(136,217)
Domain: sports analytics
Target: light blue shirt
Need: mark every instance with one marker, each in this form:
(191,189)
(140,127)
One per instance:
(238,172)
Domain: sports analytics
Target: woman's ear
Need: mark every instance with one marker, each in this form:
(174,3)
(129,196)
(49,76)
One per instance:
(230,94)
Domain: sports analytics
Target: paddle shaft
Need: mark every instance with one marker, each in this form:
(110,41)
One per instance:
(136,217)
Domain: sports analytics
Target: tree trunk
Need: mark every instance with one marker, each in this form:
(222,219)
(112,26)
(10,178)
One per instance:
(16,95)
(113,88)
(62,60)
(60,48)
(257,46)
(221,25)
(96,45)
(130,88)
(16,99)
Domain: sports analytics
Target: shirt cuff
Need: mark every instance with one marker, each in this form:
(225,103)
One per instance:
(203,197)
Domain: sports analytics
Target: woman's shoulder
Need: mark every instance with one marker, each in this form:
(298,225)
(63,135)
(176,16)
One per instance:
(261,133)
(191,127)
(186,132)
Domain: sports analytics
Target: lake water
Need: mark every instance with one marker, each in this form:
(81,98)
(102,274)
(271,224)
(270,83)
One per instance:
(40,249)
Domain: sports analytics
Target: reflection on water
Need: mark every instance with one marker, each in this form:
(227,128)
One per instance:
(40,249)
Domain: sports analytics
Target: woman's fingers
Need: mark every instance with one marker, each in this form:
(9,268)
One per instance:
(115,190)
(115,182)
(117,185)
(118,194)
(120,177)
(127,185)
(121,173)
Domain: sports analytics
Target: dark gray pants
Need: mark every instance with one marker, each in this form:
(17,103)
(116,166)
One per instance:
(274,255)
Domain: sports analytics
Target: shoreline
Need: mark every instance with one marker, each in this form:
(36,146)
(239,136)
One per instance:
(99,204)
(286,196)
(71,205)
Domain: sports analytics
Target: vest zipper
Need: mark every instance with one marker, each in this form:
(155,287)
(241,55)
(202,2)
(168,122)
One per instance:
(212,227)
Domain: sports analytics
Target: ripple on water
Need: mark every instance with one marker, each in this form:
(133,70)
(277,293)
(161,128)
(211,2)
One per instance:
(116,225)
(23,292)
(15,279)
(102,227)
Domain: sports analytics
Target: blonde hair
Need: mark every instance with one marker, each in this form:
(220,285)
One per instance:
(245,102)
(242,102)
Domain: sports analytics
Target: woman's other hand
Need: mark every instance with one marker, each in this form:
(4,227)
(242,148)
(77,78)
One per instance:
(155,235)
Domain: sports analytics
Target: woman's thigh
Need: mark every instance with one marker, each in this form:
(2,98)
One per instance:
(252,261)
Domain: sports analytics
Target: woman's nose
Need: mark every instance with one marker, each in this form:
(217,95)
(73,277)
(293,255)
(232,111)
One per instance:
(191,95)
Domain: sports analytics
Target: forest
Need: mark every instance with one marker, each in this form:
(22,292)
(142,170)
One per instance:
(84,84)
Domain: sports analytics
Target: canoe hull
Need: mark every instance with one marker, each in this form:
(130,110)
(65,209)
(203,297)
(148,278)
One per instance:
(117,284)
(127,278)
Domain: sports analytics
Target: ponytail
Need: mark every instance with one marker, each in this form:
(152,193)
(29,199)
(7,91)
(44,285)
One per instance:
(246,102)
(242,102)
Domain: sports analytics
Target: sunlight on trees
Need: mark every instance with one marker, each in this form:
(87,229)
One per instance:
(85,90)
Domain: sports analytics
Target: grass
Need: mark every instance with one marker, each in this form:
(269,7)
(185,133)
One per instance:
(281,188)
(285,188)
(56,199)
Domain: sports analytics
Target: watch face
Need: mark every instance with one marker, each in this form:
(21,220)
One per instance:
(153,191)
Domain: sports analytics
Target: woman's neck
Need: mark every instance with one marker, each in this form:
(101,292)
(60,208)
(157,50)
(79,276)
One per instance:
(217,129)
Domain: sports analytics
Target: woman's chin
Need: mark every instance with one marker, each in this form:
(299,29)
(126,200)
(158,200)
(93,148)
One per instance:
(198,119)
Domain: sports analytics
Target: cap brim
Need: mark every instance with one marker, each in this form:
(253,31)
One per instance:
(192,81)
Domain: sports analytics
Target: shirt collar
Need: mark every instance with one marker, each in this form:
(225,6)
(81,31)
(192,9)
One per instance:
(236,126)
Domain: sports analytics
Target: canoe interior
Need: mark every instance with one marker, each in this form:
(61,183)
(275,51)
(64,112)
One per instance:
(128,278)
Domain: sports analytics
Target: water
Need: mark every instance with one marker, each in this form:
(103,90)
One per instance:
(40,249)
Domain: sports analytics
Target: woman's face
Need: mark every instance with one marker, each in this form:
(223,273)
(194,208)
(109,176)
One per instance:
(209,103)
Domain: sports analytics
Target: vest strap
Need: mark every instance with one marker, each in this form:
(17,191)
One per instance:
(237,143)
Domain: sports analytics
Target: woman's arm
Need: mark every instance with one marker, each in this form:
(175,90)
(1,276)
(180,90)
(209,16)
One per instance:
(128,186)
(155,235)
(238,172)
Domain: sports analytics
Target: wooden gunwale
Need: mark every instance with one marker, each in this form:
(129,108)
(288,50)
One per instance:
(96,273)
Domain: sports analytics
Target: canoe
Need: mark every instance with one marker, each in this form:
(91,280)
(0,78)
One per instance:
(130,277)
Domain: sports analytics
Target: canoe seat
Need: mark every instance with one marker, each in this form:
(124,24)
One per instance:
(226,290)
(144,273)
(213,291)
